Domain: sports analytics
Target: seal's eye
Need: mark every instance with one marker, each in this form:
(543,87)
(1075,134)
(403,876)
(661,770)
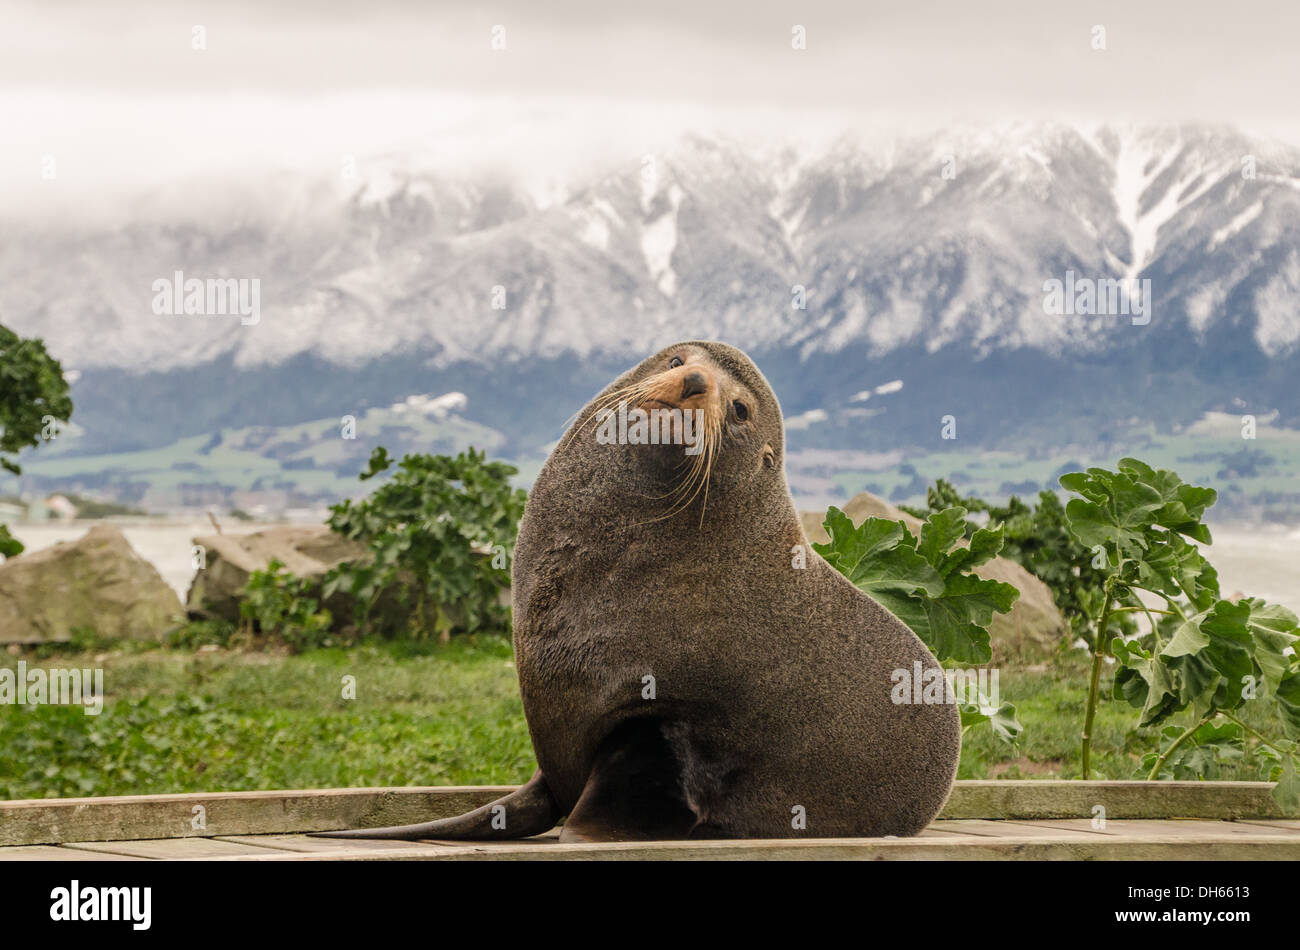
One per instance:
(742,411)
(675,362)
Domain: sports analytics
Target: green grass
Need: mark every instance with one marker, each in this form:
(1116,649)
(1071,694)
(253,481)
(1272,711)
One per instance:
(1050,705)
(177,721)
(425,714)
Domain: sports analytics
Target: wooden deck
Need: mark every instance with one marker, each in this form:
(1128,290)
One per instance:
(982,821)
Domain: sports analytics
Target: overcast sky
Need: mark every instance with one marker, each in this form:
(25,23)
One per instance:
(117,93)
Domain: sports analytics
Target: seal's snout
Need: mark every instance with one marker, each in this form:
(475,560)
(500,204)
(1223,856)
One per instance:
(694,384)
(682,387)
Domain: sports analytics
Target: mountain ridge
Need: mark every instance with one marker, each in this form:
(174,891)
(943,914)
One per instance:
(710,239)
(918,258)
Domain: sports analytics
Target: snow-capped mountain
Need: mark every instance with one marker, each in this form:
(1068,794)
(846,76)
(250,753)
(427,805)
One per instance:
(923,257)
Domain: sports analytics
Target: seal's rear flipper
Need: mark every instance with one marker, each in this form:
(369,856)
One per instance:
(529,810)
(634,791)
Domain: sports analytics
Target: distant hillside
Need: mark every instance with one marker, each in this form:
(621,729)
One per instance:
(922,261)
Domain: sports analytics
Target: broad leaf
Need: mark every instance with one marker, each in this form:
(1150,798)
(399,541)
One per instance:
(1126,510)
(921,581)
(1200,756)
(1145,682)
(1232,645)
(1002,721)
(874,556)
(1288,702)
(1287,791)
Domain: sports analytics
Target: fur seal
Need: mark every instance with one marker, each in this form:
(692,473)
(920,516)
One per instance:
(689,666)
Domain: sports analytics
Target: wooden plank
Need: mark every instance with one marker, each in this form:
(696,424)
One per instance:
(49,852)
(549,837)
(939,848)
(1053,798)
(171,849)
(1274,823)
(1183,827)
(118,818)
(1002,829)
(55,820)
(942,832)
(303,845)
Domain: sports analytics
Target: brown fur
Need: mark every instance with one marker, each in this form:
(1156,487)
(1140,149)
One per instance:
(772,683)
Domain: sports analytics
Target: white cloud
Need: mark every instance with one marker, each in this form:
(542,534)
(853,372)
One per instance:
(806,419)
(118,95)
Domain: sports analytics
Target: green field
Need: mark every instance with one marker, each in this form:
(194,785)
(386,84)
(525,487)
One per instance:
(1257,477)
(424,714)
(313,459)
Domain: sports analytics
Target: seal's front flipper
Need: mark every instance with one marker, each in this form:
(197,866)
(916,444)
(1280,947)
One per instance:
(634,791)
(528,810)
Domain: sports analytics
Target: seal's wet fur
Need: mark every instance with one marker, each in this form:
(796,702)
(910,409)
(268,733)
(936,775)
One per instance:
(771,683)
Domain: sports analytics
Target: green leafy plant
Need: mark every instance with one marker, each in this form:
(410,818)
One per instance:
(1204,655)
(1004,720)
(1200,755)
(437,531)
(926,582)
(198,633)
(1037,538)
(9,545)
(33,400)
(280,604)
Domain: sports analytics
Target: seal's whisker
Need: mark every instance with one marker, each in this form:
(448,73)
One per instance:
(685,484)
(698,462)
(629,392)
(692,481)
(697,479)
(716,429)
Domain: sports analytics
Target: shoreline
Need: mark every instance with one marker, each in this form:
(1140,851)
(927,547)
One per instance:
(1256,560)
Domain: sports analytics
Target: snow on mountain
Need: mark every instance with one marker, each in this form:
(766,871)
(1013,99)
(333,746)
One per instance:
(929,240)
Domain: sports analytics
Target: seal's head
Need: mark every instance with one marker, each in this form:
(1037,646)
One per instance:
(697,418)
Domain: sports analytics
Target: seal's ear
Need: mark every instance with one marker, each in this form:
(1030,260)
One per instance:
(769,455)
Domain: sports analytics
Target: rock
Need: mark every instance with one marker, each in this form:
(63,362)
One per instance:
(97,582)
(1032,630)
(308,551)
